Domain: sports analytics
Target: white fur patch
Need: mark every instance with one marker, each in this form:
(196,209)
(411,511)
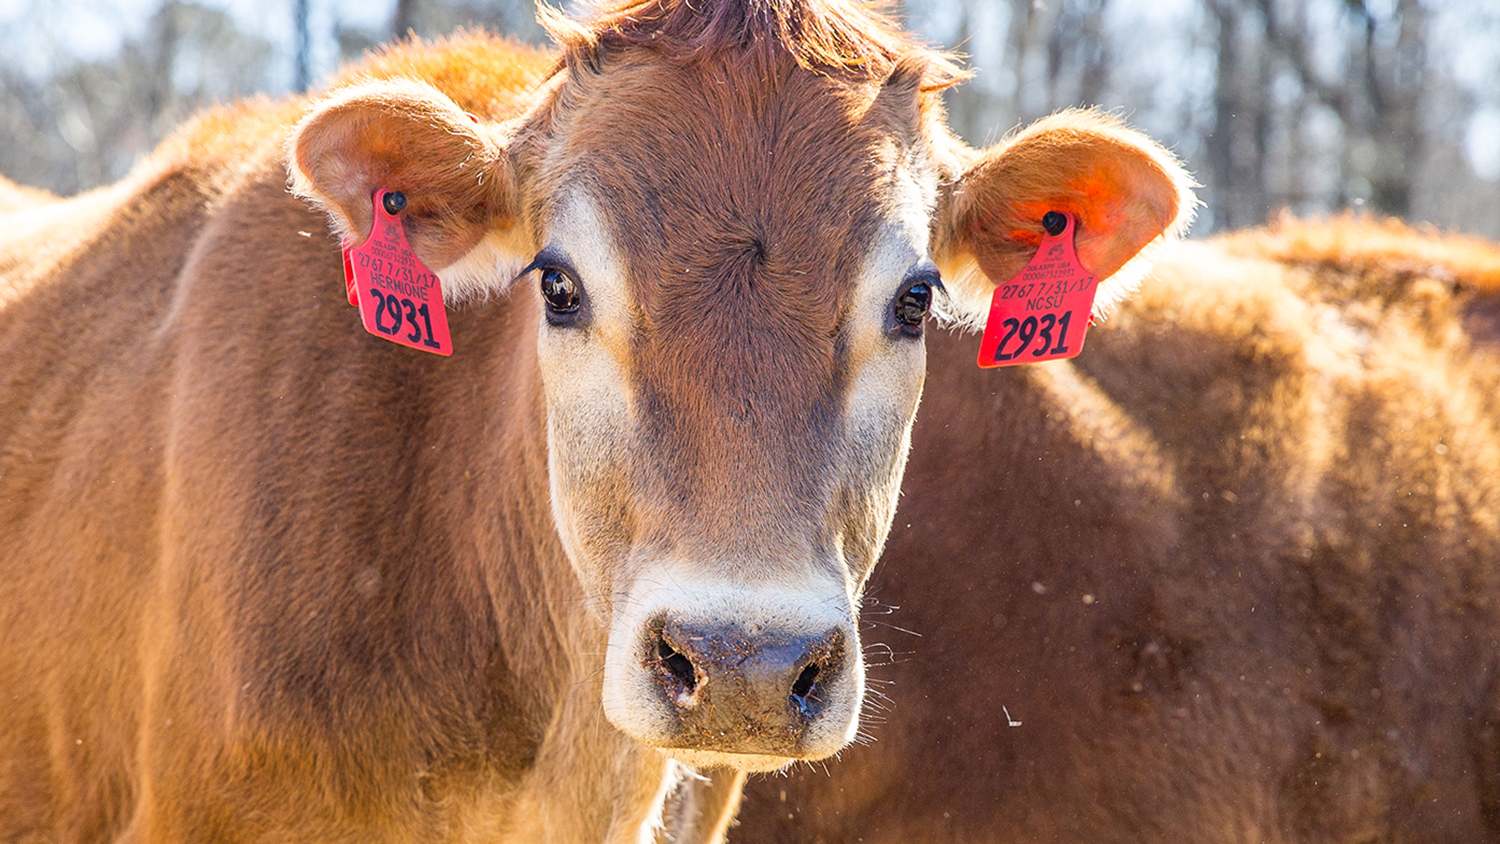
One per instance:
(486,270)
(673,774)
(887,372)
(584,372)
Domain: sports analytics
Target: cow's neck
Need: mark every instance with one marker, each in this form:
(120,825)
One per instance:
(552,643)
(491,496)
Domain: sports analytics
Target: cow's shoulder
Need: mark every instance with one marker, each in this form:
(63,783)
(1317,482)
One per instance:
(1327,383)
(487,75)
(1270,315)
(15,197)
(169,196)
(1448,282)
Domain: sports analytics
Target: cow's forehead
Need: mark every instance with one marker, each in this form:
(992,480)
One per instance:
(722,177)
(739,213)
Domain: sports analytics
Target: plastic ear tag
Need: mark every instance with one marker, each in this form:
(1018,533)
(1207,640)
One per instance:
(398,297)
(350,288)
(1044,312)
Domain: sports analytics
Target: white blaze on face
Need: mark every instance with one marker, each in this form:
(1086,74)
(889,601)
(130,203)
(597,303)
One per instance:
(887,373)
(585,373)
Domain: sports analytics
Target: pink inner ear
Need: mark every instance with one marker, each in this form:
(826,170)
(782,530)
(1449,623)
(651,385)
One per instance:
(1121,196)
(1110,230)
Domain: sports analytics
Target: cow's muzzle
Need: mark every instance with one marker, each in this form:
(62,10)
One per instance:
(759,690)
(751,690)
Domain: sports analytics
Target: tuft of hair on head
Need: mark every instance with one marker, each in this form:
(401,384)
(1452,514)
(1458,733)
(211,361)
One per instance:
(484,73)
(837,38)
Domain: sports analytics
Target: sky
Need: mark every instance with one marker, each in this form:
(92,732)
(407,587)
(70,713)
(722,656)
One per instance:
(94,29)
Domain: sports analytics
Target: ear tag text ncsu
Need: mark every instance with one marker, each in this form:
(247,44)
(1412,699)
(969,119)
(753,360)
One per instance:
(398,297)
(1045,311)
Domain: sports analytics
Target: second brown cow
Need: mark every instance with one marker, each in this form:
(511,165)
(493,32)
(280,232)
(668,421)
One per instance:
(266,577)
(1233,575)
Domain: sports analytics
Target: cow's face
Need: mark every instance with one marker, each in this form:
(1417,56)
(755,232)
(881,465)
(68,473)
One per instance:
(732,367)
(733,266)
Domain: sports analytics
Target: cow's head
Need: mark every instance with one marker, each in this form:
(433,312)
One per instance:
(731,220)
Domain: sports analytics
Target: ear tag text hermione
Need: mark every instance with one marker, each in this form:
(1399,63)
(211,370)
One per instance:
(398,297)
(1044,312)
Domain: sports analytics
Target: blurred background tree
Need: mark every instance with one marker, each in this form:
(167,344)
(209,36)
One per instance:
(1391,106)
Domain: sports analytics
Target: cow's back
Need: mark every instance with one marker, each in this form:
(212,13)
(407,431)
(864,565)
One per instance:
(201,465)
(1233,573)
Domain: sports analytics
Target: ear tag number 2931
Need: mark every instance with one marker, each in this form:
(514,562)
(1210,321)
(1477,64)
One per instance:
(1044,312)
(398,297)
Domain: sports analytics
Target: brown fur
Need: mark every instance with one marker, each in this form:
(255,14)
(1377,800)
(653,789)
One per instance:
(265,577)
(854,43)
(744,280)
(1235,569)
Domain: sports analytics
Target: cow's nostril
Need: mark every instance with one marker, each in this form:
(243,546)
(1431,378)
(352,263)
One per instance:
(802,698)
(805,680)
(677,665)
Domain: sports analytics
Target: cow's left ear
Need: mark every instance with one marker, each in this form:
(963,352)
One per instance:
(1124,189)
(462,213)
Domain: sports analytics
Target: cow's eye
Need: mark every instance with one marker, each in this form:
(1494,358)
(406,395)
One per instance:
(560,291)
(913,304)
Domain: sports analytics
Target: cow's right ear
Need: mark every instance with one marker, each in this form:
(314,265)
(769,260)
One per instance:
(462,203)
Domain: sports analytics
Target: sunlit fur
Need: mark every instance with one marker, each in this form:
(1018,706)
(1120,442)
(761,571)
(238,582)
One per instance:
(268,577)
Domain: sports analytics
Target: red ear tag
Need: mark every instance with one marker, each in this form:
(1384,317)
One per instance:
(350,288)
(1044,312)
(399,298)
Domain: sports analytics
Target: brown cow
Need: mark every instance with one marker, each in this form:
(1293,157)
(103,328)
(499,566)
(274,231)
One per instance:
(1232,575)
(266,577)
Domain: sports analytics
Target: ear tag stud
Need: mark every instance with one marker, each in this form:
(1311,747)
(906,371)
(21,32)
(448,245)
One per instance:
(398,297)
(1044,312)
